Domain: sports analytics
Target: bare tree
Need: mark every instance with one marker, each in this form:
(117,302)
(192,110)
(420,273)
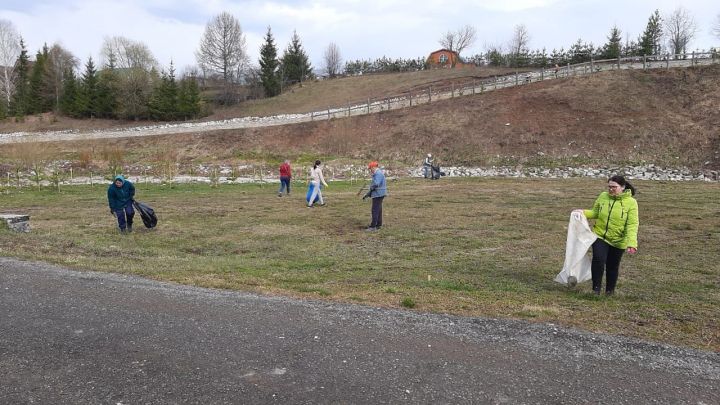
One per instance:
(9,52)
(223,47)
(680,28)
(127,54)
(136,69)
(332,59)
(716,27)
(60,60)
(520,40)
(459,40)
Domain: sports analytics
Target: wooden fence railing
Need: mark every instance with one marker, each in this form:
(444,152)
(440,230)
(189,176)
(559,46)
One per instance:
(435,93)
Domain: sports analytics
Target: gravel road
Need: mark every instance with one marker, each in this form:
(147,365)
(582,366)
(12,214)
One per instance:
(84,337)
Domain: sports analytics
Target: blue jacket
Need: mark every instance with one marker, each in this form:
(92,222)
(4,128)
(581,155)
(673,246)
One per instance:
(378,188)
(119,197)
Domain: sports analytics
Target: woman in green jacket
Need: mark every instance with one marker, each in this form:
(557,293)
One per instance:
(616,224)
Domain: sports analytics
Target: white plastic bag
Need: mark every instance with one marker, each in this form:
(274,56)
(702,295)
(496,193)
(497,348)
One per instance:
(580,237)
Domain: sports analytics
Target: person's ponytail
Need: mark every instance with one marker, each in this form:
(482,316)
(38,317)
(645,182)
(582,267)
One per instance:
(630,187)
(317,163)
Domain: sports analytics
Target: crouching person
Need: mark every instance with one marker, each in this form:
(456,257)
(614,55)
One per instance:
(120,198)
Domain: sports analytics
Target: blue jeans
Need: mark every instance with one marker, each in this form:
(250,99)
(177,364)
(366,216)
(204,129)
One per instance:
(284,184)
(125,216)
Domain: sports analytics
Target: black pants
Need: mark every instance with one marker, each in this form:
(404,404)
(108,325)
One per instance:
(377,212)
(605,258)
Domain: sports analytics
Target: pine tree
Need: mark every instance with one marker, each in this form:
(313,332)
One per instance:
(611,50)
(40,96)
(19,105)
(269,66)
(189,102)
(88,94)
(649,41)
(295,64)
(581,52)
(34,98)
(163,103)
(107,90)
(69,98)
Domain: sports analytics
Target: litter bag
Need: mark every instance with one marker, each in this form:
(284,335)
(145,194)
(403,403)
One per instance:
(311,187)
(578,262)
(146,213)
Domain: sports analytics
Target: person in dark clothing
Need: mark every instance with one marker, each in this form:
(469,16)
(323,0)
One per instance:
(377,191)
(120,198)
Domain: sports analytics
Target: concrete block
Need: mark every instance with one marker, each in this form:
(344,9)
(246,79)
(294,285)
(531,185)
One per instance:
(16,222)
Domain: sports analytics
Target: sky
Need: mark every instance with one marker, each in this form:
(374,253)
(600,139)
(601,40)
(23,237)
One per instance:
(362,29)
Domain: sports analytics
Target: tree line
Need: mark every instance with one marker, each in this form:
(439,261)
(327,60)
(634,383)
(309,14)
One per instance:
(671,34)
(129,83)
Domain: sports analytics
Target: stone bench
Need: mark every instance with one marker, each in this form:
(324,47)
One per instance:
(17,222)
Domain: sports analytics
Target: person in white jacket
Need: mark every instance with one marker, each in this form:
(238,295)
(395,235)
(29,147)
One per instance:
(316,178)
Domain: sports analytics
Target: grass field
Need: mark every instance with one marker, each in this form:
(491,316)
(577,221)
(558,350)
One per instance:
(480,247)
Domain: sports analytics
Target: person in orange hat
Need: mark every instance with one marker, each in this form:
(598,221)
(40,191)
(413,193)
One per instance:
(377,191)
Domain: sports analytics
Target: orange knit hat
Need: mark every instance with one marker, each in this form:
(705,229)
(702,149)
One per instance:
(372,164)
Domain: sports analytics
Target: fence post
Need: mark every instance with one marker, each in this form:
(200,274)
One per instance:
(592,65)
(410,99)
(667,61)
(473,87)
(328,113)
(644,62)
(567,73)
(348,105)
(495,83)
(482,87)
(618,62)
(452,90)
(542,73)
(430,94)
(388,103)
(516,77)
(312,115)
(368,106)
(692,59)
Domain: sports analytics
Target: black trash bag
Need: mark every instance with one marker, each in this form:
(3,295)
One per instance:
(146,213)
(436,172)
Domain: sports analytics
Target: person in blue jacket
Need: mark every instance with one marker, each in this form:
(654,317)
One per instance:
(377,191)
(120,198)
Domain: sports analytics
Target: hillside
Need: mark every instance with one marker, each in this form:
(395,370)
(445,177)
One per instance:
(310,96)
(666,117)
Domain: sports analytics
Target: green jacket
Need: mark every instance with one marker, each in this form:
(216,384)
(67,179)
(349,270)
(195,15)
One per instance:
(616,219)
(120,197)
